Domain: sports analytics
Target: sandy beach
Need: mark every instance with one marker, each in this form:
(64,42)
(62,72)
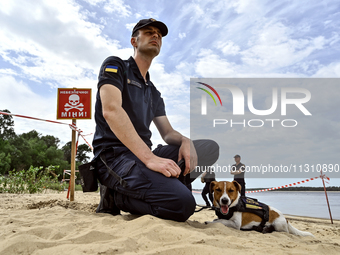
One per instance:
(50,224)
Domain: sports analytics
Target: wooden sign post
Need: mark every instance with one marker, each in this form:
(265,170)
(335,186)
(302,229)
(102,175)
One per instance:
(324,187)
(73,104)
(73,162)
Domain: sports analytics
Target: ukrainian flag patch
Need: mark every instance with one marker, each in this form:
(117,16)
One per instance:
(112,69)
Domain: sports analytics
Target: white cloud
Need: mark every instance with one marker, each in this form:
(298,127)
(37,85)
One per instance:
(8,71)
(228,47)
(117,6)
(113,6)
(210,64)
(138,15)
(331,70)
(200,14)
(54,42)
(246,6)
(273,47)
(147,14)
(171,85)
(182,35)
(185,69)
(130,26)
(94,2)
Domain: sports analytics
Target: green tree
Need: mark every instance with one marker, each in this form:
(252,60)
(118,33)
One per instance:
(29,149)
(20,153)
(6,133)
(33,134)
(33,149)
(6,126)
(82,151)
(5,156)
(51,141)
(67,152)
(81,157)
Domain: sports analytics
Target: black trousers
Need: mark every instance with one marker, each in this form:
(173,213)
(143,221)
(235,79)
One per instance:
(149,192)
(205,191)
(243,185)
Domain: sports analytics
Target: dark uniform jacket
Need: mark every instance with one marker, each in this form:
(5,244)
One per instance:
(141,101)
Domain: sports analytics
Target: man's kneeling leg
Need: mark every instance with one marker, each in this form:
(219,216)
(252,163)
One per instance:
(164,197)
(179,206)
(107,203)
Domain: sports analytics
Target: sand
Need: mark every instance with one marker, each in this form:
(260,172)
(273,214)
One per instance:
(50,224)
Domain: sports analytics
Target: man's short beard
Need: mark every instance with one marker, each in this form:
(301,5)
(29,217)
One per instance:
(152,52)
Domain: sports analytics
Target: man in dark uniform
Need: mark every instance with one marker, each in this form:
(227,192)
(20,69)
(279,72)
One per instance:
(207,177)
(238,171)
(126,104)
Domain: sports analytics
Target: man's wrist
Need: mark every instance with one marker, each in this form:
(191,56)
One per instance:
(146,157)
(184,140)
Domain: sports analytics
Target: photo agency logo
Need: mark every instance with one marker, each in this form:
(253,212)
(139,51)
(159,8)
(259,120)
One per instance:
(243,104)
(204,97)
(282,127)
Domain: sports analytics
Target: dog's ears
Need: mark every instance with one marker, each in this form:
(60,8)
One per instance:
(212,185)
(237,186)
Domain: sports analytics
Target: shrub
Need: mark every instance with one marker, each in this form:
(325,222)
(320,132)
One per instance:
(33,180)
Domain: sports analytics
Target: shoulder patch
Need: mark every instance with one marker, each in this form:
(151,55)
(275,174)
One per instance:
(112,69)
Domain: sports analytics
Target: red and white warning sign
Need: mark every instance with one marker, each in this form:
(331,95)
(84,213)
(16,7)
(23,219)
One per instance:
(74,103)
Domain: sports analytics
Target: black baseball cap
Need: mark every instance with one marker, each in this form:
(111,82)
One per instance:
(237,156)
(152,22)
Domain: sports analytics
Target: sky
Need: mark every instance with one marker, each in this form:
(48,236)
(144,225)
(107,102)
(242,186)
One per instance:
(46,45)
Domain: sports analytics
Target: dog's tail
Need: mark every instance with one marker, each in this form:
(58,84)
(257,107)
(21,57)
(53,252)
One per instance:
(297,232)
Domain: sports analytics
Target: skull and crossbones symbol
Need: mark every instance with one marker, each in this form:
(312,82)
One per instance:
(74,103)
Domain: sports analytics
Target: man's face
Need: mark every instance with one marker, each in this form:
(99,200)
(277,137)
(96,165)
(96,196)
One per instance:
(149,40)
(237,159)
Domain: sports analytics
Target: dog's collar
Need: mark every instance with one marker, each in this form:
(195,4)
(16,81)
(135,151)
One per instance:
(230,211)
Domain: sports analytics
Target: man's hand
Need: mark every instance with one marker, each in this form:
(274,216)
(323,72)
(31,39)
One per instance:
(187,149)
(188,152)
(165,166)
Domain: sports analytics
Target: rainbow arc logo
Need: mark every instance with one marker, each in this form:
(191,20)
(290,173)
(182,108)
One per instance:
(204,98)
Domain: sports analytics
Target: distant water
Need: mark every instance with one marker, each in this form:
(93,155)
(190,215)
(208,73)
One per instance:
(301,203)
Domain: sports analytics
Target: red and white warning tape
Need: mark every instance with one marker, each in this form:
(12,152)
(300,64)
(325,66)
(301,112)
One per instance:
(290,185)
(72,126)
(284,186)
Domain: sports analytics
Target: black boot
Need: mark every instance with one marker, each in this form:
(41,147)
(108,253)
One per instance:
(107,203)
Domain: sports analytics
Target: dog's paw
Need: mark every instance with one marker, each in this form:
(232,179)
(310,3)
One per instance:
(214,221)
